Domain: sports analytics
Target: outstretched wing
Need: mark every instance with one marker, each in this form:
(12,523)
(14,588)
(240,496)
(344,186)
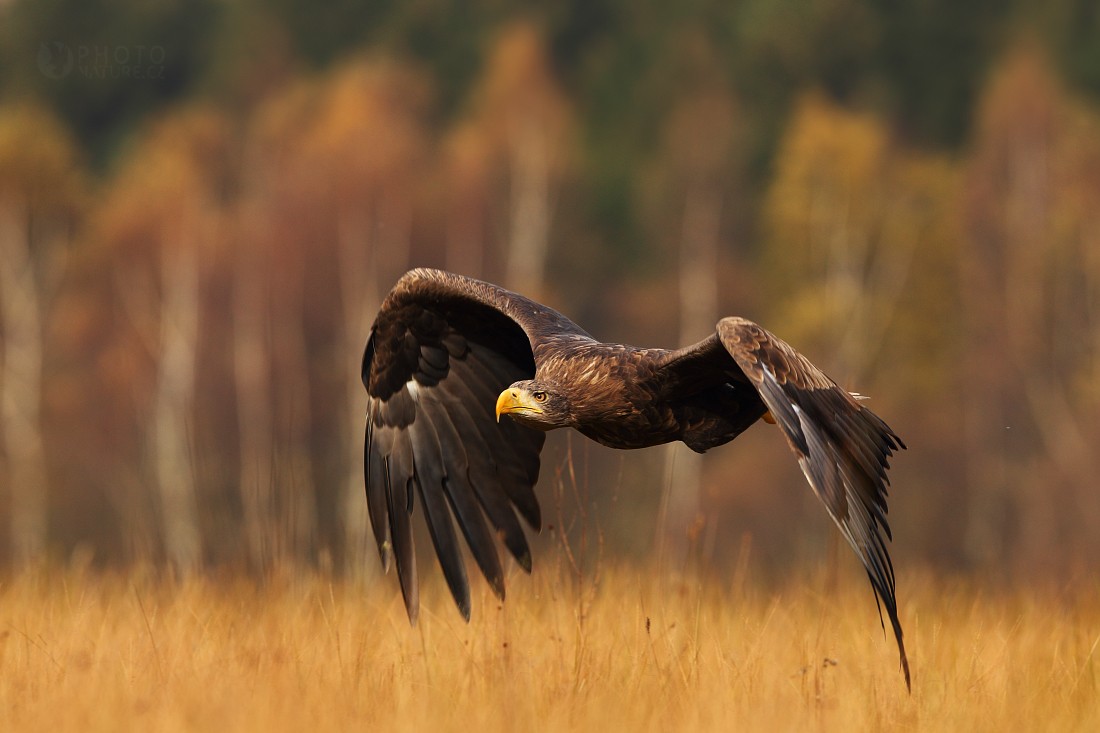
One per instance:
(842,447)
(440,351)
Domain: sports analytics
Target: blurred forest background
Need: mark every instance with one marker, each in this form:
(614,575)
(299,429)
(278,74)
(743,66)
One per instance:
(202,204)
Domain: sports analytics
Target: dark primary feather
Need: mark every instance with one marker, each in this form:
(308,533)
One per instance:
(443,347)
(842,447)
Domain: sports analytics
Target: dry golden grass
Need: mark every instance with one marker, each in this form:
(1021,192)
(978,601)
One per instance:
(86,652)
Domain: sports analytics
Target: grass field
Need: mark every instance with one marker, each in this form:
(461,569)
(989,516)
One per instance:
(81,651)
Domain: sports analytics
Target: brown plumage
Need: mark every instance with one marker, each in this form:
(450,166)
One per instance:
(445,348)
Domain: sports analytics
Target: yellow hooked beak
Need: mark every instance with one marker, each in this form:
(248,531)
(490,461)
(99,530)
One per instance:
(516,400)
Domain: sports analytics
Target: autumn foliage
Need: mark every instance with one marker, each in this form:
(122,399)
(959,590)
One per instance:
(181,333)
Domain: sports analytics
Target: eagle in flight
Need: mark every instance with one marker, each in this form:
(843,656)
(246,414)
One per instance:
(449,356)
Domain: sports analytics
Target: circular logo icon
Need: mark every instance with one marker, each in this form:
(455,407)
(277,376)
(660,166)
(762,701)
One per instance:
(55,59)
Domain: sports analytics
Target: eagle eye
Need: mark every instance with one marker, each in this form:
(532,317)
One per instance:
(539,396)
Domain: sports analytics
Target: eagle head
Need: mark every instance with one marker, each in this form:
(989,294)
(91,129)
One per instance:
(534,404)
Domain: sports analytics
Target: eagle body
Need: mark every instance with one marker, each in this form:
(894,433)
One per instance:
(623,399)
(464,378)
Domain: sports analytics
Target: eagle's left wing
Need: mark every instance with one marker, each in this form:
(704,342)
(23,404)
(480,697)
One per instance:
(842,447)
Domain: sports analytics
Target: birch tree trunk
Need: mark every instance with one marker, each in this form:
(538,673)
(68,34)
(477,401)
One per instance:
(21,386)
(296,494)
(173,407)
(680,501)
(255,419)
(529,221)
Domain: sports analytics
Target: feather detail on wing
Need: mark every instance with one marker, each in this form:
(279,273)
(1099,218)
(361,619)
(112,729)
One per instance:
(440,351)
(842,447)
